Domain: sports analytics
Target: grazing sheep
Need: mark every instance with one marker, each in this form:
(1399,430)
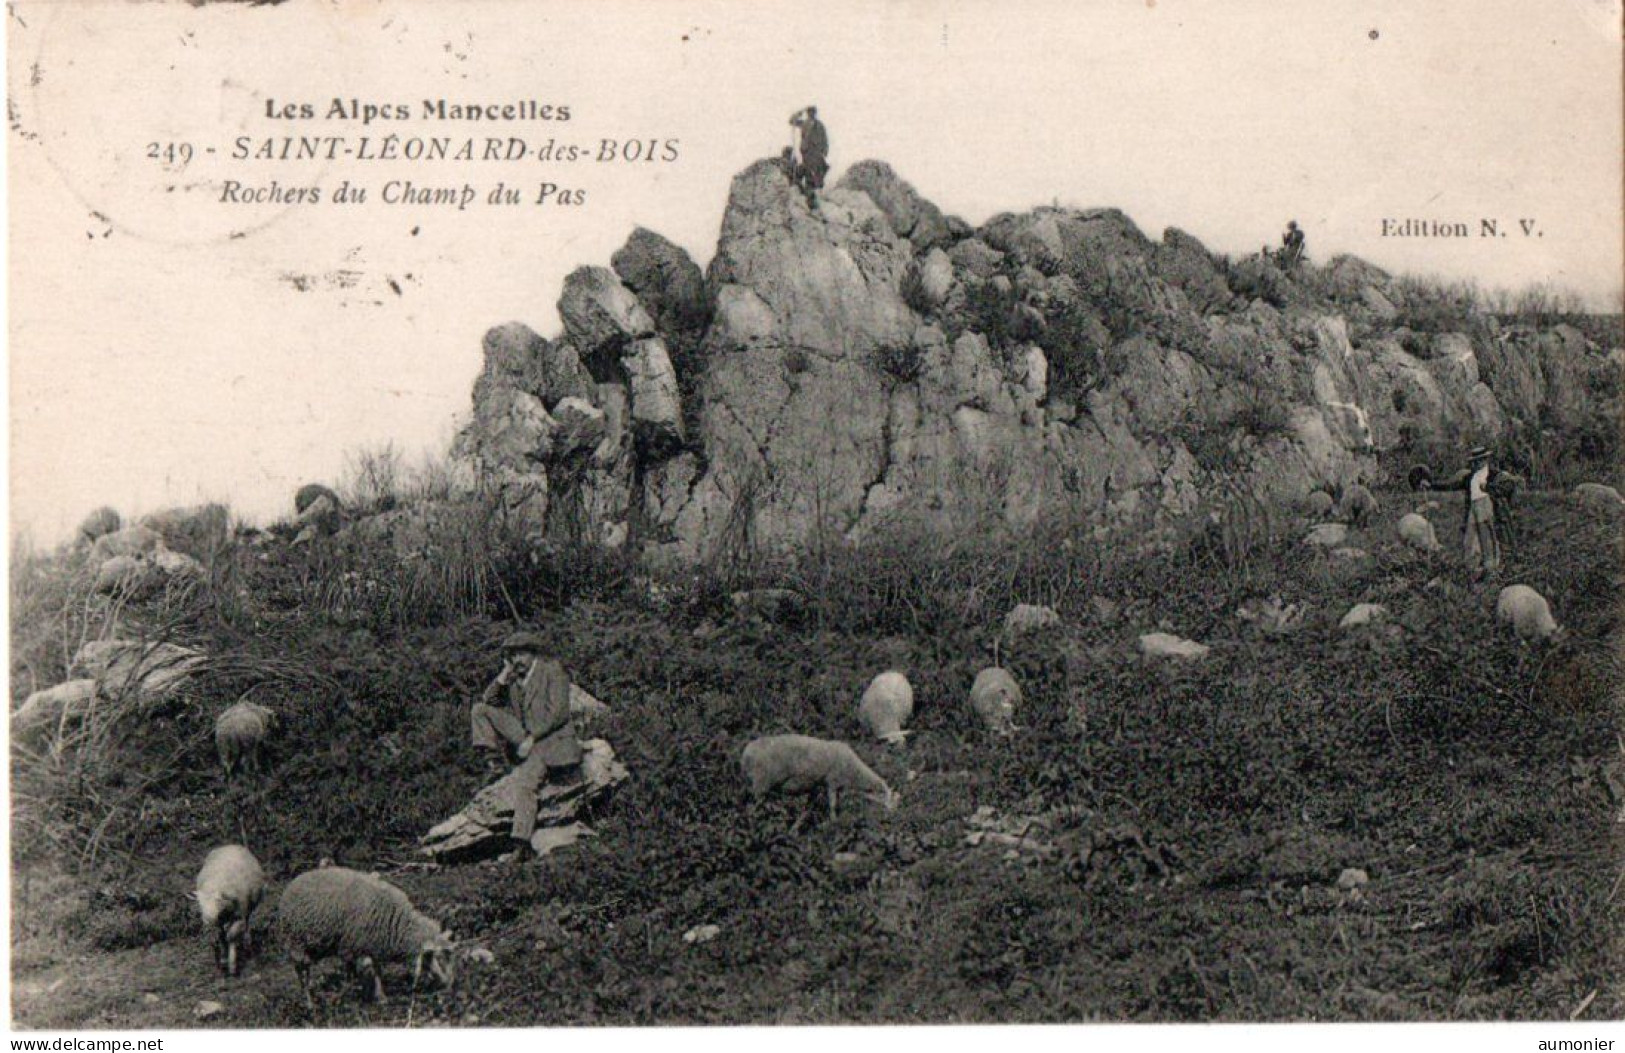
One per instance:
(229,887)
(800,763)
(1363,614)
(130,541)
(338,912)
(1027,617)
(1529,615)
(1318,504)
(1599,495)
(1417,532)
(886,705)
(994,697)
(98,524)
(133,577)
(238,733)
(1358,506)
(1327,535)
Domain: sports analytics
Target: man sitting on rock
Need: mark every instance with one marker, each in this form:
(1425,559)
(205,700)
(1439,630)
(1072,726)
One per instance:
(535,730)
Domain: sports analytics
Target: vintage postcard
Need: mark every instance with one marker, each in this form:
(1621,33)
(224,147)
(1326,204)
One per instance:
(702,512)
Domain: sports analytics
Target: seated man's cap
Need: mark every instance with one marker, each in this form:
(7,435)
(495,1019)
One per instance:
(525,643)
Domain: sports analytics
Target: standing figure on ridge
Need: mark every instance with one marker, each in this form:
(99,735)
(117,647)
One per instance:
(1291,245)
(814,162)
(535,729)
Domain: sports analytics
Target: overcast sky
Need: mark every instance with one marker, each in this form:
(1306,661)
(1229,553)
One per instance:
(156,358)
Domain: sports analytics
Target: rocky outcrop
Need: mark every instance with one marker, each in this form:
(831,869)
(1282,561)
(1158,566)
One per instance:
(844,366)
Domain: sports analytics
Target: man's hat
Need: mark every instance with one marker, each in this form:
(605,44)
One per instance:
(524,643)
(1478,453)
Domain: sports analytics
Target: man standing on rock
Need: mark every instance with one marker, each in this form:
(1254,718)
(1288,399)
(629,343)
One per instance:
(814,151)
(535,730)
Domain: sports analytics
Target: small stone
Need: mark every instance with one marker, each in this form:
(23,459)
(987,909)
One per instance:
(205,1010)
(1352,878)
(150,998)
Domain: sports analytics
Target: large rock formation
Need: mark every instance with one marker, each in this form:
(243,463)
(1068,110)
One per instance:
(869,359)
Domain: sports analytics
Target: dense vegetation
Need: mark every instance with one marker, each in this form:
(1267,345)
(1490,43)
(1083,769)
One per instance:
(1476,781)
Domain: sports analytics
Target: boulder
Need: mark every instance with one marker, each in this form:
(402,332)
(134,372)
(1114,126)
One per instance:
(657,412)
(199,531)
(600,314)
(46,708)
(666,281)
(910,215)
(580,427)
(99,523)
(152,671)
(936,276)
(1167,645)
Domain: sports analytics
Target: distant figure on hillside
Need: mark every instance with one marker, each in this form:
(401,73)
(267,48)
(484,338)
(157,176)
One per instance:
(814,163)
(1291,245)
(1480,547)
(535,730)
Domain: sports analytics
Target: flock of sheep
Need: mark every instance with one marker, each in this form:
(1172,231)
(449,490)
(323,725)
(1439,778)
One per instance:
(332,911)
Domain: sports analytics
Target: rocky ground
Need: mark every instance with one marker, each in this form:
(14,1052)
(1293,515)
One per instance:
(1192,827)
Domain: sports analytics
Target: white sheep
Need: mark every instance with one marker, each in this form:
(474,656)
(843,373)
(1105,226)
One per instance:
(887,704)
(801,763)
(1529,615)
(1027,617)
(130,541)
(238,733)
(1358,505)
(229,887)
(994,696)
(1417,532)
(363,919)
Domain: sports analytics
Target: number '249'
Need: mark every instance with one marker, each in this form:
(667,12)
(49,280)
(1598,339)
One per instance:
(170,155)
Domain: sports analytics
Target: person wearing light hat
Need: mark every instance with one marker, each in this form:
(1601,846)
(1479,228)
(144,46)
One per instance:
(535,728)
(1478,542)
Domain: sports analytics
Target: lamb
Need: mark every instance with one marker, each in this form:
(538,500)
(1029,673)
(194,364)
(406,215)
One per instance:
(1417,532)
(229,887)
(799,763)
(1358,505)
(886,705)
(338,912)
(1529,615)
(238,733)
(994,696)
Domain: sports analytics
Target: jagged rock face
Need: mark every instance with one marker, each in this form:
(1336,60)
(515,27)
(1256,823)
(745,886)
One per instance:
(910,215)
(669,285)
(867,359)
